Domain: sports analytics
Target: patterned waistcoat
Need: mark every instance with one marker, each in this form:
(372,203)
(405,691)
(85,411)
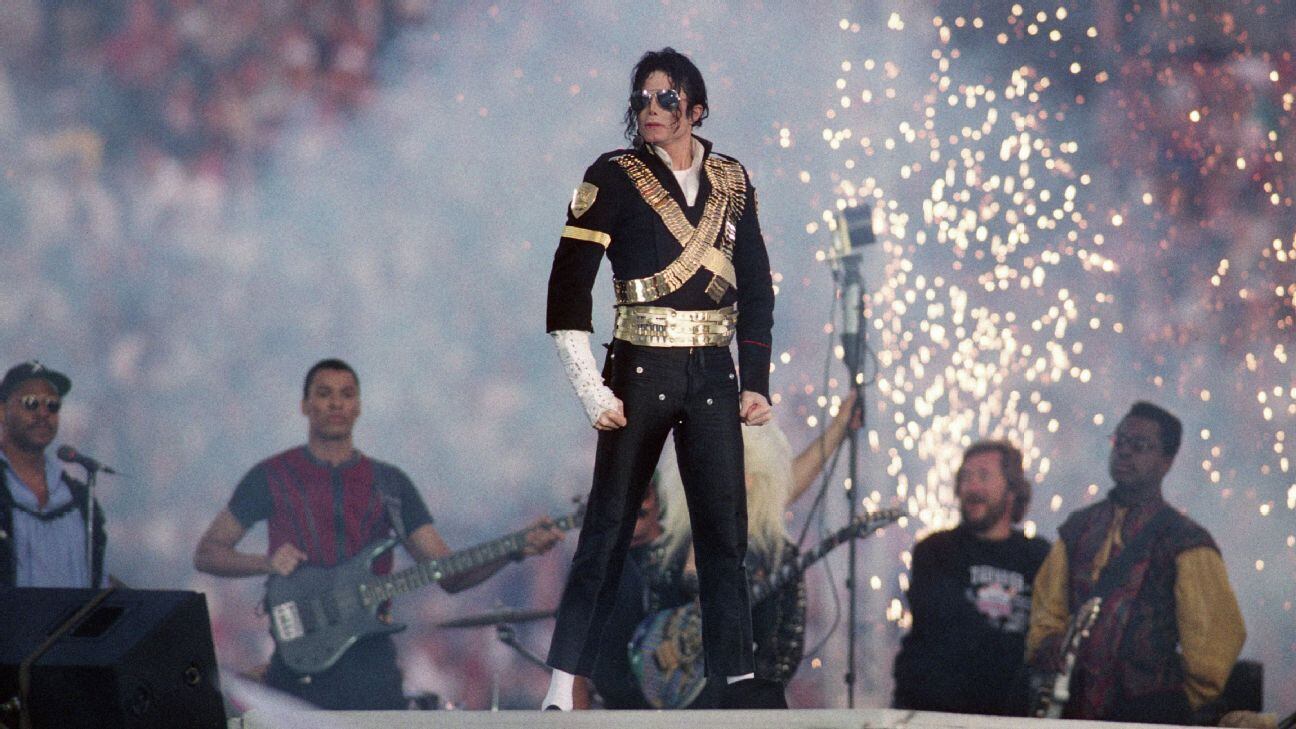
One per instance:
(1131,650)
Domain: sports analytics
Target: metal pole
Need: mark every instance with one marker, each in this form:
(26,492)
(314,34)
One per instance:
(851,576)
(853,346)
(90,518)
(508,636)
(853,223)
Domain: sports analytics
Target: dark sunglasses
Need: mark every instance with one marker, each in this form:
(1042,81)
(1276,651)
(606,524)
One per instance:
(667,99)
(32,403)
(1137,446)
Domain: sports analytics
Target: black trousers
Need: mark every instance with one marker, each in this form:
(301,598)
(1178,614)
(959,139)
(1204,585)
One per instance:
(364,678)
(694,391)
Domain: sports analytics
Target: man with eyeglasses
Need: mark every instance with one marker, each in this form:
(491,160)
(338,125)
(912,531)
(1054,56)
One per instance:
(678,222)
(42,508)
(1168,629)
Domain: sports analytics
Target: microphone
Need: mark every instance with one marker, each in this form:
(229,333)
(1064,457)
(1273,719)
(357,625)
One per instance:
(68,454)
(854,230)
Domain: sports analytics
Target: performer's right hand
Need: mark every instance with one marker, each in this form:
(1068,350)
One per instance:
(612,419)
(285,559)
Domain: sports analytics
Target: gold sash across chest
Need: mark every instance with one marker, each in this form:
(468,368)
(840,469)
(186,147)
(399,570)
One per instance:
(703,245)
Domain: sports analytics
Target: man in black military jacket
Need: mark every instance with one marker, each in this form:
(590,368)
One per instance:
(679,224)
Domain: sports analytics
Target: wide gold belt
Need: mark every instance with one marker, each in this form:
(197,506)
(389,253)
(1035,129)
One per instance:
(658,326)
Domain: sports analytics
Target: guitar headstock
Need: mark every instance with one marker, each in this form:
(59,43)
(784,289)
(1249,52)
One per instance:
(879,518)
(870,521)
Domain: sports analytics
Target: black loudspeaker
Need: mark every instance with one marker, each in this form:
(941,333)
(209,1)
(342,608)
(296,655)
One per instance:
(140,659)
(1245,687)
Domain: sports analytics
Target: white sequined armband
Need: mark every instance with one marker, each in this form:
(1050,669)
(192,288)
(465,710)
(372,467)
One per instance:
(578,362)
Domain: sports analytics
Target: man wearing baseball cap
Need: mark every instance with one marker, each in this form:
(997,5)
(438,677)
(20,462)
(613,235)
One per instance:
(42,508)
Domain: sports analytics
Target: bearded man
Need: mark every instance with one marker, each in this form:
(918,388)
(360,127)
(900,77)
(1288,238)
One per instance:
(970,595)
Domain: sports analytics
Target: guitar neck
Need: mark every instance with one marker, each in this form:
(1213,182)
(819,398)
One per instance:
(790,570)
(433,571)
(1080,624)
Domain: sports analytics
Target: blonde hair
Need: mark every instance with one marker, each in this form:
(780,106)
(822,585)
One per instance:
(767,462)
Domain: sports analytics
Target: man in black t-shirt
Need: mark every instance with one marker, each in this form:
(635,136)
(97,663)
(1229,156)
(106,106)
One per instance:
(970,595)
(324,502)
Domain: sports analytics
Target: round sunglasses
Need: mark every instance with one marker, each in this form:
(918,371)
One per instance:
(667,99)
(32,403)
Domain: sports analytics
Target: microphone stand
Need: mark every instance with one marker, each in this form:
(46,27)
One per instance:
(91,473)
(854,337)
(508,636)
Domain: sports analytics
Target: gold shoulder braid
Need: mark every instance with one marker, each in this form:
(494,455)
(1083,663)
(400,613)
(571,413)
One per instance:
(734,180)
(701,249)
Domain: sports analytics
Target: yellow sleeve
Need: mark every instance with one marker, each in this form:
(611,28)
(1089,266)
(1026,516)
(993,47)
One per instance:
(1211,631)
(1049,604)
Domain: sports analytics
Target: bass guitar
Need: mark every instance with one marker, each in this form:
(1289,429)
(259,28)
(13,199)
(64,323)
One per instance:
(1055,689)
(666,650)
(317,613)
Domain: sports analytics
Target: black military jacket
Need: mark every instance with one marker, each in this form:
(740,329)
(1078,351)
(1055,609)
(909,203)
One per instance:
(608,213)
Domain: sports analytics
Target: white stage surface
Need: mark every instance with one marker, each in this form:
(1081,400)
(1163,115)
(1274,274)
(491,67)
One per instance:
(792,719)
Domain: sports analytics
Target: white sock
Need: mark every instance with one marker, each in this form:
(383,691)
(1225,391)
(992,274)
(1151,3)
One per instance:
(560,690)
(736,679)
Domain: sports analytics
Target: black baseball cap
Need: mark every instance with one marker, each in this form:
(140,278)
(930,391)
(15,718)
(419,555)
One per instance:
(33,370)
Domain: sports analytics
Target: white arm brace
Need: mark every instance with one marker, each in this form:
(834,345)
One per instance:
(578,362)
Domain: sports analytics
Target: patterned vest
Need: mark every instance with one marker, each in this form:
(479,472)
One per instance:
(329,513)
(1131,650)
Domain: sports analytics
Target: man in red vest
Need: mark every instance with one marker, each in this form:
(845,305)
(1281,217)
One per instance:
(324,502)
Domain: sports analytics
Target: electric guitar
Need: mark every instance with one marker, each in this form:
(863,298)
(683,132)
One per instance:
(317,613)
(1055,689)
(666,650)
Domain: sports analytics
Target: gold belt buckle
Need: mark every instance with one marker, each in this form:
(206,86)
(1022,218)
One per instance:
(663,327)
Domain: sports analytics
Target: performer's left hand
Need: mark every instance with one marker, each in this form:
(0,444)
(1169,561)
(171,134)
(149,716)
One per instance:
(543,536)
(754,409)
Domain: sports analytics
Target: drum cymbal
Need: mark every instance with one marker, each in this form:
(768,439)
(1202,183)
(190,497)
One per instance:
(498,616)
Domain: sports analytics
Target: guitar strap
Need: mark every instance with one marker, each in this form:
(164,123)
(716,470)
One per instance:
(392,503)
(1116,570)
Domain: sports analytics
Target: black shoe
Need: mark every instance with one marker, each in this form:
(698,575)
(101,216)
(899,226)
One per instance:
(753,693)
(553,707)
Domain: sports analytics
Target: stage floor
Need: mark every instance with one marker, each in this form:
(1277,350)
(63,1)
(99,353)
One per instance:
(793,719)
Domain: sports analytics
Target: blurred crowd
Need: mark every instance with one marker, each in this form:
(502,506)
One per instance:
(132,133)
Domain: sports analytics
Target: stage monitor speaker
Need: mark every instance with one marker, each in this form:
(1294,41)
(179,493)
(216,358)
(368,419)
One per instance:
(1245,688)
(139,659)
